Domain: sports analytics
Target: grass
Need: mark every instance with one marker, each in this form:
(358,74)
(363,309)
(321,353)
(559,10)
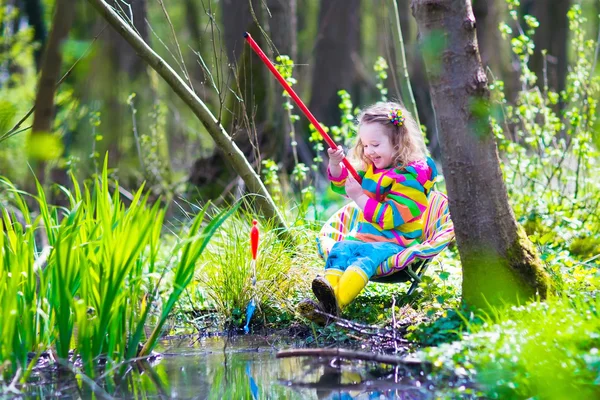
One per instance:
(92,292)
(226,273)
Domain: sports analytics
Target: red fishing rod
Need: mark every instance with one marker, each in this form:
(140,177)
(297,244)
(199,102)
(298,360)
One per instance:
(299,102)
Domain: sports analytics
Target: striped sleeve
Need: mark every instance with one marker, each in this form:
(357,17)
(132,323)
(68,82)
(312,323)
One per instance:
(338,184)
(405,202)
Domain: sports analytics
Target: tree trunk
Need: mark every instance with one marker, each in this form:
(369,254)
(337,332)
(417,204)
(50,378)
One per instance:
(35,15)
(551,35)
(43,116)
(337,40)
(418,77)
(194,19)
(495,51)
(499,262)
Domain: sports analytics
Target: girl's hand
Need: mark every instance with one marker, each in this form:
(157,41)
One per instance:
(335,159)
(335,156)
(353,188)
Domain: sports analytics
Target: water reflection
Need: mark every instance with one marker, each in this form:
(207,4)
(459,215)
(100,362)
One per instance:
(245,367)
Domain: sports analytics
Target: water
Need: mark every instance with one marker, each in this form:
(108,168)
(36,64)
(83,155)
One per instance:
(245,367)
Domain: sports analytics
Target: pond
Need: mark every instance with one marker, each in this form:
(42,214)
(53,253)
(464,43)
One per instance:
(246,367)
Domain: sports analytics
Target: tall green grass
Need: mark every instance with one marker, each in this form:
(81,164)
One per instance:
(101,283)
(226,275)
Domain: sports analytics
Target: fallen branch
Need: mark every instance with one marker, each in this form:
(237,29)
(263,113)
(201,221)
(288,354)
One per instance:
(351,355)
(369,386)
(363,329)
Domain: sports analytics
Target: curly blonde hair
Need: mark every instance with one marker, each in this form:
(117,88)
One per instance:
(407,138)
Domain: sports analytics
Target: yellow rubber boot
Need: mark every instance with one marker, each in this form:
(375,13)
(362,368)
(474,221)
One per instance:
(351,283)
(333,276)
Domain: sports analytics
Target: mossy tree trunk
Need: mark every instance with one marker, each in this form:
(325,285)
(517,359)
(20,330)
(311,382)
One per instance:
(499,262)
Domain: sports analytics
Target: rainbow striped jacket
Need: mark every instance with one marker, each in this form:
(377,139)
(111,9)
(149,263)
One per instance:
(397,200)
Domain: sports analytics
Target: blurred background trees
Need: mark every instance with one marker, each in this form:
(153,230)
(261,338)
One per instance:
(112,102)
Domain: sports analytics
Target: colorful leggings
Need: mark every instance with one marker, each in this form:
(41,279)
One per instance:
(366,256)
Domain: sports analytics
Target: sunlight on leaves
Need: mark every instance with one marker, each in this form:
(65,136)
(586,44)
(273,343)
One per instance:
(44,146)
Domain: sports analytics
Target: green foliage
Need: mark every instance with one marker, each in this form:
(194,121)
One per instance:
(448,326)
(271,179)
(227,274)
(380,69)
(550,164)
(324,336)
(345,133)
(541,350)
(374,304)
(94,285)
(16,91)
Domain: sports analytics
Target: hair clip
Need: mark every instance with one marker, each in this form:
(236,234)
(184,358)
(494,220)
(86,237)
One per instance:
(396,117)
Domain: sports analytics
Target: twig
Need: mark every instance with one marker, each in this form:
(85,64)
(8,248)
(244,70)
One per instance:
(361,328)
(183,67)
(234,156)
(97,389)
(12,132)
(350,355)
(394,324)
(12,388)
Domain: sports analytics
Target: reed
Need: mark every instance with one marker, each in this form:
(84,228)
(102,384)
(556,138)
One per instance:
(94,291)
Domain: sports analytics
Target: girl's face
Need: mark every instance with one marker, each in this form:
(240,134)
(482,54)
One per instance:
(377,145)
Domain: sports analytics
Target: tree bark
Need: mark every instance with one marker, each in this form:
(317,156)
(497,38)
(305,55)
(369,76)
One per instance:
(223,141)
(499,262)
(338,38)
(43,116)
(551,35)
(495,52)
(35,15)
(418,77)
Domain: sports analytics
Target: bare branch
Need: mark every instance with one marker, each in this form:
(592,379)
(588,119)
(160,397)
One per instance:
(224,142)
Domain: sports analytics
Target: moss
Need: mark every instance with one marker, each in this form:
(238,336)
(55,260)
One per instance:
(524,261)
(517,276)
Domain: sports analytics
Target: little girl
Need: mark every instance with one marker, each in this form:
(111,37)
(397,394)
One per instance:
(396,176)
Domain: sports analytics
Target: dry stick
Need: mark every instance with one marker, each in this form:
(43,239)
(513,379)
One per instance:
(223,141)
(65,76)
(94,387)
(394,324)
(350,355)
(361,386)
(361,328)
